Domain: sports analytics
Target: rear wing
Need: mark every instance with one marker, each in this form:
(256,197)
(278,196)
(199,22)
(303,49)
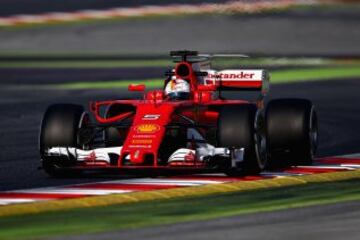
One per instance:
(255,80)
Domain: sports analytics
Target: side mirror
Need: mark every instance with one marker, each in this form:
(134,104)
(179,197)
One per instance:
(205,88)
(136,87)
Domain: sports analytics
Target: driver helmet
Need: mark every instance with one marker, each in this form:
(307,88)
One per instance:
(177,89)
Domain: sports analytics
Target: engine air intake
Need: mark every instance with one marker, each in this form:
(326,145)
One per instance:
(183,70)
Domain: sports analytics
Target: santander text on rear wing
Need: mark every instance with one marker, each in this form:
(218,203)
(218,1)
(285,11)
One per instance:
(257,80)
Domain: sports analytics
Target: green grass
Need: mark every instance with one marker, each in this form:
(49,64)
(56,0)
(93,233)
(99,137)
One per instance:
(172,211)
(279,76)
(313,74)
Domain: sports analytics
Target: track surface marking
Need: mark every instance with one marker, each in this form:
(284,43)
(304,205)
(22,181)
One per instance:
(323,165)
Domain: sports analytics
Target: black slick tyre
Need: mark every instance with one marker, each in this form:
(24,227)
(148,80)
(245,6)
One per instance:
(291,131)
(59,128)
(236,129)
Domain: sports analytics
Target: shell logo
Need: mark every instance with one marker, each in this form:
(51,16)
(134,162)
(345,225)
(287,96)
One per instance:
(147,128)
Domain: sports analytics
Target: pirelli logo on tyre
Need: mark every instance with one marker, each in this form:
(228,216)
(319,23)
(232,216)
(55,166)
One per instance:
(147,128)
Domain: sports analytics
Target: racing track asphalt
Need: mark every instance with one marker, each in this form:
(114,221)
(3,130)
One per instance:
(22,109)
(28,76)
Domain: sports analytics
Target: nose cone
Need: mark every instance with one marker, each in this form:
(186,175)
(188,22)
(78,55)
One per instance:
(146,134)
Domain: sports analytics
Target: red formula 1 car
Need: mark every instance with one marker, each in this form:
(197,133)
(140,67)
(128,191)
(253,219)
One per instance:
(187,125)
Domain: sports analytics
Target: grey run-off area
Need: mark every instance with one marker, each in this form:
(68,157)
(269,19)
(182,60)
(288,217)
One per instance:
(320,32)
(330,222)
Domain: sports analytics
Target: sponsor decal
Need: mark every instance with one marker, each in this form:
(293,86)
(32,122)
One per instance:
(147,128)
(141,141)
(241,75)
(143,136)
(139,146)
(151,117)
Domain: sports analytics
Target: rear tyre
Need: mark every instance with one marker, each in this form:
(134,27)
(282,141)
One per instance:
(292,132)
(236,128)
(116,136)
(59,128)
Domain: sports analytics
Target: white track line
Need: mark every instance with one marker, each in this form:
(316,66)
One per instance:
(4,201)
(331,166)
(352,166)
(72,191)
(88,191)
(326,166)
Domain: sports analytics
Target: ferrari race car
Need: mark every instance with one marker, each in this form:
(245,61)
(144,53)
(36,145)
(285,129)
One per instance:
(188,125)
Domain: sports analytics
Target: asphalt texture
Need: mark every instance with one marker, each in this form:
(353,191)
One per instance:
(317,32)
(330,222)
(28,76)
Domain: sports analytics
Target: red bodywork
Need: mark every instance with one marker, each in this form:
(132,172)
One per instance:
(153,115)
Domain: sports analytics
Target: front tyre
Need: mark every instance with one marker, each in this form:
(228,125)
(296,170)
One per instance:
(59,128)
(237,129)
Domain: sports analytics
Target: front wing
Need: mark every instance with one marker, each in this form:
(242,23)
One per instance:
(183,157)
